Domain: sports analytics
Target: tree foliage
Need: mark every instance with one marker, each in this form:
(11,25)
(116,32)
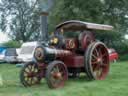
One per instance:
(20,19)
(12,44)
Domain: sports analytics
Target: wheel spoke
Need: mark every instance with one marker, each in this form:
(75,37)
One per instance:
(57,68)
(33,68)
(100,53)
(96,52)
(35,80)
(95,57)
(103,65)
(25,74)
(104,55)
(27,70)
(26,78)
(30,67)
(29,81)
(36,70)
(97,73)
(96,67)
(95,62)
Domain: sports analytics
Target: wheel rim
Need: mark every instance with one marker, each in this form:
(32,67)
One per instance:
(30,75)
(58,75)
(39,54)
(99,62)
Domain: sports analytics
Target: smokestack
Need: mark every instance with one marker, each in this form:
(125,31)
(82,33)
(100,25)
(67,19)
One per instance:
(44,26)
(45,6)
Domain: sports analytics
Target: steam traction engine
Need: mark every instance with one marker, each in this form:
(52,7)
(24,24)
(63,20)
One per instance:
(62,56)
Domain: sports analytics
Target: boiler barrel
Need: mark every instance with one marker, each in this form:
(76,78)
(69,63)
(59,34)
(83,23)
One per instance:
(47,54)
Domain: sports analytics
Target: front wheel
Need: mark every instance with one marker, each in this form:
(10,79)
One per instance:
(56,74)
(29,74)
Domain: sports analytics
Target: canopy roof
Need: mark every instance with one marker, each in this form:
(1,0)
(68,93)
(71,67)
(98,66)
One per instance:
(80,25)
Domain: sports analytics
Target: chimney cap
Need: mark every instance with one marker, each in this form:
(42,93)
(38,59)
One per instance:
(44,13)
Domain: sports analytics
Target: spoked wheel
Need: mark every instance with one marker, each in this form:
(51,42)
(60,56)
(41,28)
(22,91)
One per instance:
(30,74)
(56,74)
(96,61)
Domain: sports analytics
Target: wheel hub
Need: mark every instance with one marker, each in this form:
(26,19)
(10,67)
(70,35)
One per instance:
(31,74)
(57,75)
(99,59)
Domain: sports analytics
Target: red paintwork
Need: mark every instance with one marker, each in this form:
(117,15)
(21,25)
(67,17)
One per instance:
(62,53)
(113,55)
(74,61)
(86,39)
(42,68)
(71,43)
(68,56)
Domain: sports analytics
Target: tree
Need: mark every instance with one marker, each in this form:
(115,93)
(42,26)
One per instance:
(20,19)
(12,44)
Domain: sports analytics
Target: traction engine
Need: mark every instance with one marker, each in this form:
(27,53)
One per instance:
(61,56)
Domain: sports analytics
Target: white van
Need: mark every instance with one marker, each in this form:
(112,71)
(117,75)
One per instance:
(27,51)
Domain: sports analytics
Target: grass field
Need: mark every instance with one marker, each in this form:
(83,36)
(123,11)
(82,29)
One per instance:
(116,84)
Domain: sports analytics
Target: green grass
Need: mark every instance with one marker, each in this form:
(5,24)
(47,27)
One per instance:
(116,84)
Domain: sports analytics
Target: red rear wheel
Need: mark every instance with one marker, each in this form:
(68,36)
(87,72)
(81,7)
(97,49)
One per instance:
(56,74)
(97,61)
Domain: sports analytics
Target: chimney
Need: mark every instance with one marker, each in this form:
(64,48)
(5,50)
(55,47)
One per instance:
(44,26)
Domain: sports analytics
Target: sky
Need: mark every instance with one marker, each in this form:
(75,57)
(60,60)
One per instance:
(126,36)
(4,37)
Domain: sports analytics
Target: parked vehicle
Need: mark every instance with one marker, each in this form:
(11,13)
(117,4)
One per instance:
(11,55)
(2,48)
(61,55)
(113,55)
(2,56)
(18,50)
(26,52)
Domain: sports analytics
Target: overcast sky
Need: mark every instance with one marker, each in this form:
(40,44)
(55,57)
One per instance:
(3,37)
(126,36)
